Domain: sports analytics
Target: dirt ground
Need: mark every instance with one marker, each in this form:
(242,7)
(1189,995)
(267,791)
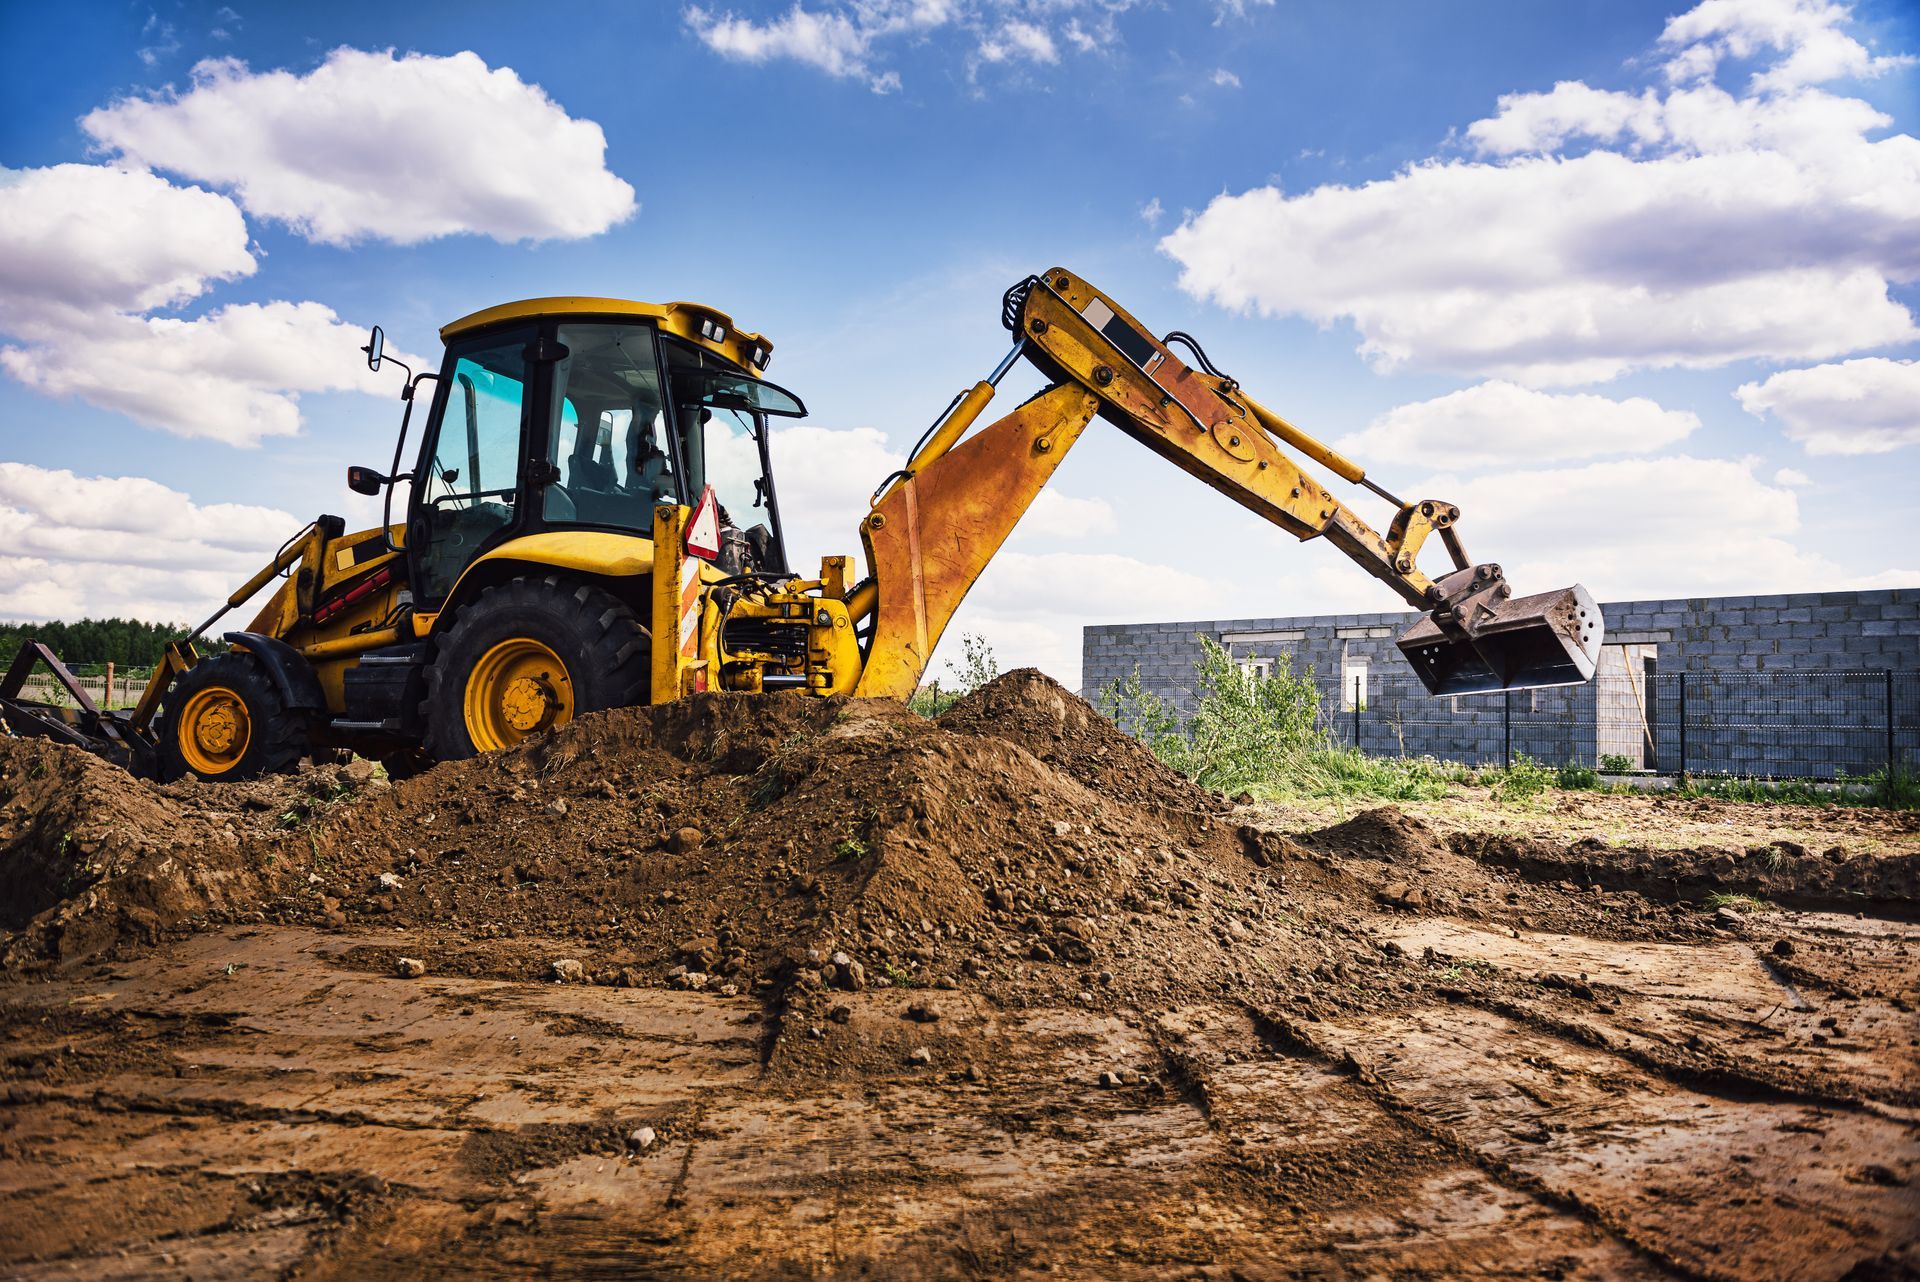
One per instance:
(798,989)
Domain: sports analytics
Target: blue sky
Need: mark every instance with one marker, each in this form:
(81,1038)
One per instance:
(1652,328)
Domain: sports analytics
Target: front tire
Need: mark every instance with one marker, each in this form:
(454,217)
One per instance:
(530,655)
(225,719)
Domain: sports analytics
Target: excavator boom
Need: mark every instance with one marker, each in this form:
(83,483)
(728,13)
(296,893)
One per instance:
(937,523)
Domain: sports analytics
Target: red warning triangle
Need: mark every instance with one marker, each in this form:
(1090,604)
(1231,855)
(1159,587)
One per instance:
(703,530)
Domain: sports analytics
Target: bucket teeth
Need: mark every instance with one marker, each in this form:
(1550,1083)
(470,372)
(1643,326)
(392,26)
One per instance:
(1518,643)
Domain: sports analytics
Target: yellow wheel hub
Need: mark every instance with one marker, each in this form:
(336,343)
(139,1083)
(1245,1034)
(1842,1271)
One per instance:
(518,688)
(215,730)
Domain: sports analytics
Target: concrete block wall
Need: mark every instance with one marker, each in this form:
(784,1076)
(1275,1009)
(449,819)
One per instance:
(1748,705)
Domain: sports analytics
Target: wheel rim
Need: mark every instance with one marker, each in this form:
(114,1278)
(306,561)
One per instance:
(215,731)
(519,688)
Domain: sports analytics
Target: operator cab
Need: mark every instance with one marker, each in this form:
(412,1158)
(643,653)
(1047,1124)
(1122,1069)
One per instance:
(570,414)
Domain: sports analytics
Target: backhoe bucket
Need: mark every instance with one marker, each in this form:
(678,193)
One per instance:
(1521,643)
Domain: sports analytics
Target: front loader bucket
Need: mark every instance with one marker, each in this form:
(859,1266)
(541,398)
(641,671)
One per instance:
(80,723)
(1521,643)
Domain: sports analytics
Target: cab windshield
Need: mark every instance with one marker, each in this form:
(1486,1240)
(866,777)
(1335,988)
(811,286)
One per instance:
(720,421)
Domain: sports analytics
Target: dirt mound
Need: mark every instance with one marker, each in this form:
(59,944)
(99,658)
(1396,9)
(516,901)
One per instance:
(1381,833)
(785,843)
(89,855)
(1028,708)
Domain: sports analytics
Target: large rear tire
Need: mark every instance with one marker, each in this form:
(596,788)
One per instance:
(530,655)
(225,719)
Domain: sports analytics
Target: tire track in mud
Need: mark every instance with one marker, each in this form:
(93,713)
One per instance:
(1572,1165)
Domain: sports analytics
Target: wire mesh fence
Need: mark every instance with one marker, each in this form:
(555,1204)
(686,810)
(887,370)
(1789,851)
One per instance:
(1777,725)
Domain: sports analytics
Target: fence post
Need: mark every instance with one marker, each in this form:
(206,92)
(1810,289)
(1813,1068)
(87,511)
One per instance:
(1682,771)
(1356,710)
(1506,728)
(1888,674)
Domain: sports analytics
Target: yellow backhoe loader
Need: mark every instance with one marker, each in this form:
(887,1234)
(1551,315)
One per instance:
(591,522)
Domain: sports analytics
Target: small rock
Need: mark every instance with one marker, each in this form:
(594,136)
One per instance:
(566,970)
(641,1140)
(728,990)
(685,840)
(1111,1080)
(1783,948)
(973,1074)
(693,980)
(841,960)
(855,976)
(1728,919)
(921,1013)
(841,1013)
(387,881)
(357,773)
(409,968)
(558,806)
(1061,828)
(920,1055)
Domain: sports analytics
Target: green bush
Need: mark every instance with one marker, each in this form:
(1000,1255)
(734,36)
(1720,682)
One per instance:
(1573,775)
(1614,763)
(977,667)
(1521,781)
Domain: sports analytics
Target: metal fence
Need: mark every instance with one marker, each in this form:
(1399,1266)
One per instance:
(1778,725)
(109,685)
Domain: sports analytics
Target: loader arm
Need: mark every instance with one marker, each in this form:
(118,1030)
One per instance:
(937,524)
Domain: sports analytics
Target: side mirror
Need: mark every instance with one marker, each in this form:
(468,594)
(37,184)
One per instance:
(376,343)
(364,480)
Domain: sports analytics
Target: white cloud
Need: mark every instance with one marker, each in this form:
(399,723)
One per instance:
(839,40)
(1638,528)
(1224,79)
(234,375)
(1696,228)
(1806,31)
(1503,424)
(825,478)
(1020,40)
(79,239)
(1151,213)
(1792,478)
(122,545)
(370,145)
(851,39)
(84,249)
(1867,406)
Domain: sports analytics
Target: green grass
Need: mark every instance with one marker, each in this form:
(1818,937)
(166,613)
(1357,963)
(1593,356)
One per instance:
(1739,903)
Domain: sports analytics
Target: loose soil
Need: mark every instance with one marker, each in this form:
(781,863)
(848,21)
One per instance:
(782,987)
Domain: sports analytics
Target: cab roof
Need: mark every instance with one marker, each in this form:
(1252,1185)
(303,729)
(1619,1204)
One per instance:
(701,325)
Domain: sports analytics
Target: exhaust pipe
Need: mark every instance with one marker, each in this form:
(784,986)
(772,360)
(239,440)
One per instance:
(1483,638)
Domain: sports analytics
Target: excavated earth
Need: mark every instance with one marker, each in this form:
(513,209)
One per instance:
(778,987)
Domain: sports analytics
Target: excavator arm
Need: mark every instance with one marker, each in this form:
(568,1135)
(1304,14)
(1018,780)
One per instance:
(937,523)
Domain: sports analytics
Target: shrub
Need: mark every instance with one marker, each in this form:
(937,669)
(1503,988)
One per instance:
(1524,780)
(1575,775)
(1614,763)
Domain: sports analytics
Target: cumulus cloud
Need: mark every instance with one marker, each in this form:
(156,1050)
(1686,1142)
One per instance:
(1807,32)
(103,545)
(370,145)
(234,375)
(85,250)
(1597,233)
(1676,526)
(1867,406)
(1500,424)
(1792,478)
(79,239)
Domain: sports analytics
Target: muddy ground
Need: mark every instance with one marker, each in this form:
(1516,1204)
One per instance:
(792,989)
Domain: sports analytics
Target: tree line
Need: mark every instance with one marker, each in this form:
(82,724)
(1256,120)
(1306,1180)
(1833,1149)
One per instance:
(127,642)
